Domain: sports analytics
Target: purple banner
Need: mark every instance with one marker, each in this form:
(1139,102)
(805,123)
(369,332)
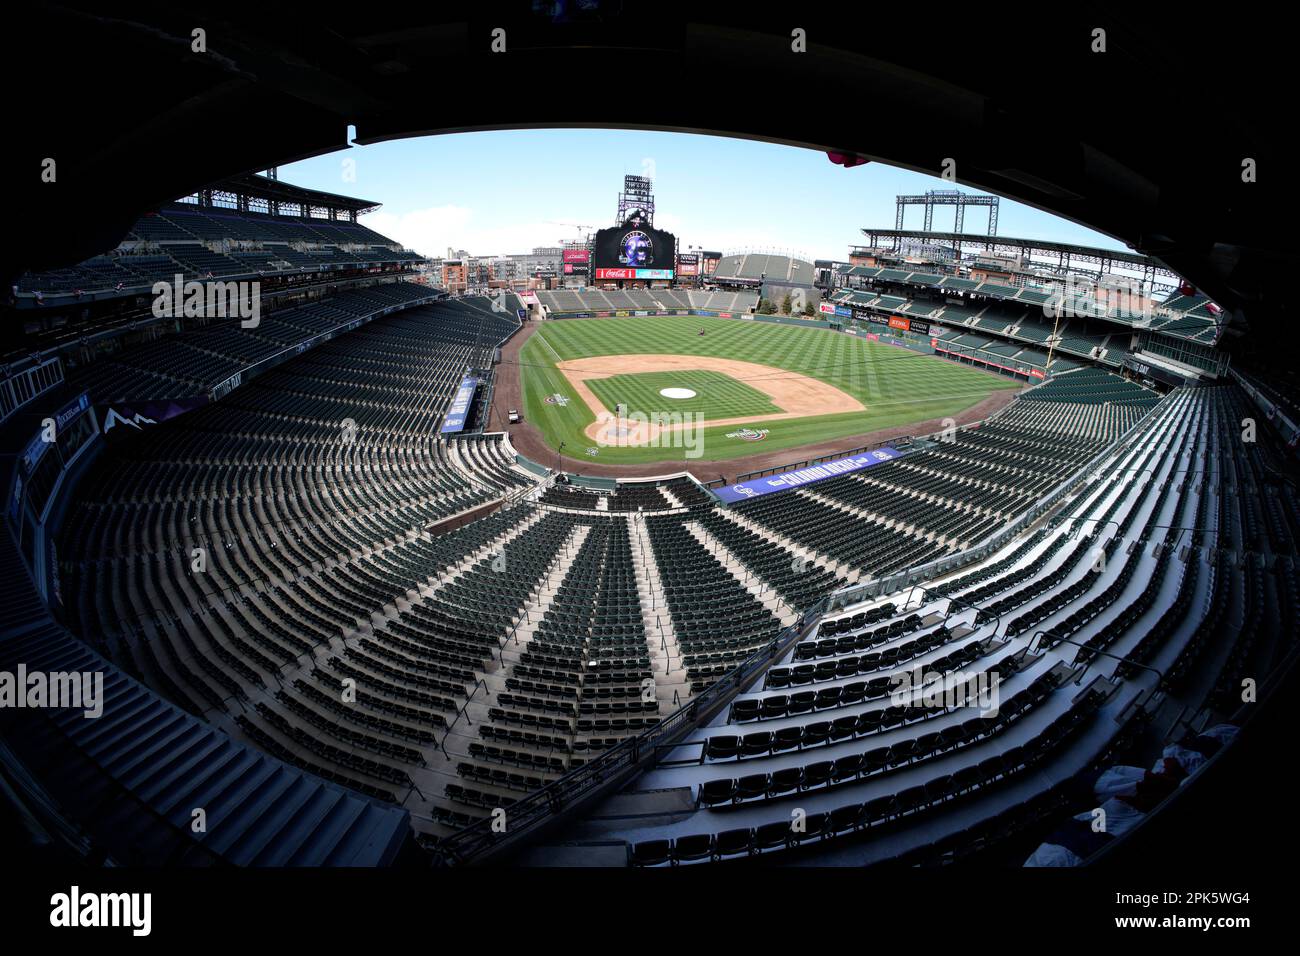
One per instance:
(758,487)
(128,418)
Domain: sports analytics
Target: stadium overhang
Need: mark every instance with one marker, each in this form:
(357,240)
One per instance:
(1144,142)
(1061,257)
(252,186)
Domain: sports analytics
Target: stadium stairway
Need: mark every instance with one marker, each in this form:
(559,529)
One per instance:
(671,685)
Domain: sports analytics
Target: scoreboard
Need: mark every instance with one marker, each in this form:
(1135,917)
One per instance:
(634,250)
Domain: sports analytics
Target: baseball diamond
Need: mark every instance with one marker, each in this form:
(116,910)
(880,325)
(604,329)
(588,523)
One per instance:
(803,385)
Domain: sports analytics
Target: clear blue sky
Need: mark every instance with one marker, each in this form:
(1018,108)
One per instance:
(500,192)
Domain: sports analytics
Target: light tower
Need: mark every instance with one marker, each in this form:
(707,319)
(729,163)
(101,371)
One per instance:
(947,197)
(637,194)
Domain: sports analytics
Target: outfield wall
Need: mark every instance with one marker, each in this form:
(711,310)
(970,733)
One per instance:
(638,313)
(757,317)
(1023,373)
(900,340)
(794,320)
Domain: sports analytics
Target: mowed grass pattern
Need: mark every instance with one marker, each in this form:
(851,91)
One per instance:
(898,386)
(716,395)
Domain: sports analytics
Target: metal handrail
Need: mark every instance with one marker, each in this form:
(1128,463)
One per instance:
(962,602)
(1033,639)
(479,684)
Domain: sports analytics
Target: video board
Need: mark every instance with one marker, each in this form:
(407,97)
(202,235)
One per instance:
(634,250)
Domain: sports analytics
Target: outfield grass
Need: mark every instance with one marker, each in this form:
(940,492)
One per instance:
(716,395)
(897,386)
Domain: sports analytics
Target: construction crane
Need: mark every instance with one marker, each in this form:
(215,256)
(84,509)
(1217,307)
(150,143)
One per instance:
(581,227)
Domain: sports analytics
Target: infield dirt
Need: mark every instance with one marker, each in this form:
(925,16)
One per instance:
(798,396)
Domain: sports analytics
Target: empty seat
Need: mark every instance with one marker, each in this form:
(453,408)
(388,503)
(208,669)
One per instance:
(717,791)
(816,774)
(697,846)
(650,853)
(812,827)
(722,747)
(771,836)
(734,843)
(785,781)
(751,786)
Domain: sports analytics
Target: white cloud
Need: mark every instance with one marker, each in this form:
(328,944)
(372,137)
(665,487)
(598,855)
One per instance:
(432,231)
(427,231)
(669,222)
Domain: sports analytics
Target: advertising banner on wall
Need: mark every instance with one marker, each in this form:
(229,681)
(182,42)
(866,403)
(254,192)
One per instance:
(805,476)
(71,410)
(34,452)
(634,273)
(38,446)
(16,498)
(460,406)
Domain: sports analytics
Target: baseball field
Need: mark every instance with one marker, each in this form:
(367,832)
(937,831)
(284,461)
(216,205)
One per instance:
(674,388)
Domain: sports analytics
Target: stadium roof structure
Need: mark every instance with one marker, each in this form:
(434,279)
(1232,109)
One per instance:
(947,197)
(1062,257)
(254,186)
(281,85)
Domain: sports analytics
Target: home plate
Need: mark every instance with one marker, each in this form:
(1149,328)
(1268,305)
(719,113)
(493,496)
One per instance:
(677,393)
